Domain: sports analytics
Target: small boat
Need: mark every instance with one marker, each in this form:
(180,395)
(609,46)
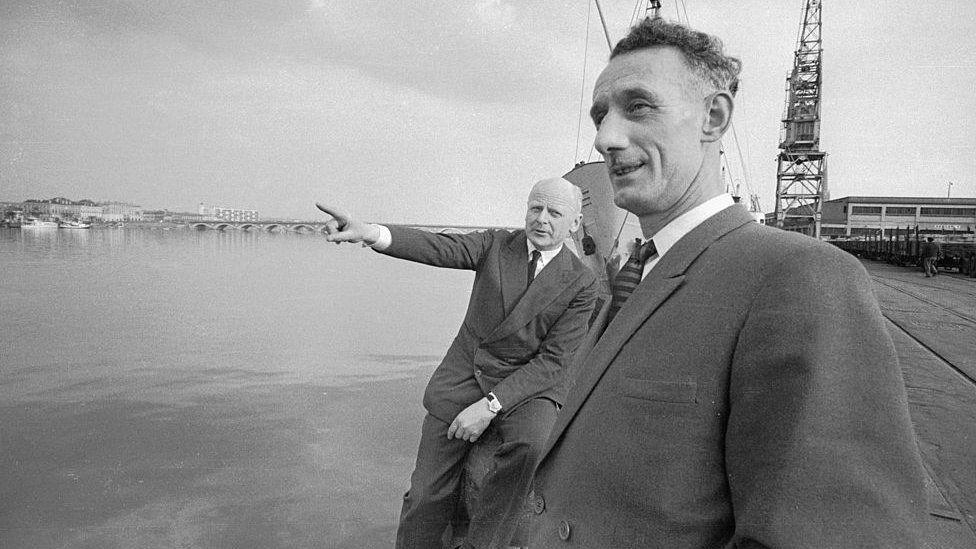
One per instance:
(75,225)
(39,224)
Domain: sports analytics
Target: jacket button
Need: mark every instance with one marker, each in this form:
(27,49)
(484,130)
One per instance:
(564,530)
(539,505)
(477,372)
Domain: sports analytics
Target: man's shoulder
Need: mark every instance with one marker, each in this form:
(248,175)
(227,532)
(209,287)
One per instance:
(764,245)
(575,264)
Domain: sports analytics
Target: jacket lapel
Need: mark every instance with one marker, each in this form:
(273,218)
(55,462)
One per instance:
(666,277)
(556,276)
(512,256)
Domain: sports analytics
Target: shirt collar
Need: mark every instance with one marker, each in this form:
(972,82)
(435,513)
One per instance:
(545,255)
(671,233)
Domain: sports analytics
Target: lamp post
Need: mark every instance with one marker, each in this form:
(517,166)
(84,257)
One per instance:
(948,189)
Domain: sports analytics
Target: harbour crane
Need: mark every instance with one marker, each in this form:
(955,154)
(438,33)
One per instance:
(801,175)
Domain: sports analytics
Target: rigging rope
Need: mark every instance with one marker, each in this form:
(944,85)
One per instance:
(745,167)
(685,8)
(579,114)
(634,16)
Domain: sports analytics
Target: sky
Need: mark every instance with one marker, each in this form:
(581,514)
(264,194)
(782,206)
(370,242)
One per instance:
(439,111)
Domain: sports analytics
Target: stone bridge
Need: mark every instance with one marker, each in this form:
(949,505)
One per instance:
(314,226)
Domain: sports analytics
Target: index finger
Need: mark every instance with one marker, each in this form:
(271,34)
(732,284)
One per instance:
(338,215)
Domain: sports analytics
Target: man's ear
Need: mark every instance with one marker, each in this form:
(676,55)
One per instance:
(576,223)
(720,105)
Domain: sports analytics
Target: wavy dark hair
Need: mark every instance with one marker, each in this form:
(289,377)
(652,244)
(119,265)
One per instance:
(702,52)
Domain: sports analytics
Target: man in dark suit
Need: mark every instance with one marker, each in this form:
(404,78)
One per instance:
(507,367)
(746,393)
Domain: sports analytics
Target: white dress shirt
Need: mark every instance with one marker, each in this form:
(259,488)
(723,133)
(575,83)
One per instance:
(545,256)
(671,233)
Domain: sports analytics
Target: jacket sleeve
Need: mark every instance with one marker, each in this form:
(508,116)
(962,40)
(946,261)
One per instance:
(820,450)
(455,251)
(544,374)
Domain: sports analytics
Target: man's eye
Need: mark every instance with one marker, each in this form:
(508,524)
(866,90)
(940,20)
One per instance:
(638,107)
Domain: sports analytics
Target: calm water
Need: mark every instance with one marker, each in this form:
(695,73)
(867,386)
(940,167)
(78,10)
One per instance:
(206,389)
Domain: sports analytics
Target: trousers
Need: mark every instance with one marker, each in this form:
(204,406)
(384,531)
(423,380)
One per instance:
(430,503)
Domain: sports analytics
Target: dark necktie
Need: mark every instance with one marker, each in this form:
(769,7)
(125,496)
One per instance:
(532,265)
(629,277)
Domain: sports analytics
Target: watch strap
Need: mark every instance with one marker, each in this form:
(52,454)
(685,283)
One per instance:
(494,406)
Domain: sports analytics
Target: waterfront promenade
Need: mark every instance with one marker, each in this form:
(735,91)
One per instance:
(933,324)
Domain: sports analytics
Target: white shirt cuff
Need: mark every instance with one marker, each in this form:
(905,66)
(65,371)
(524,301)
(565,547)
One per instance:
(384,240)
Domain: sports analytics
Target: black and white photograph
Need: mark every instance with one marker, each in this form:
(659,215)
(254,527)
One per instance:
(487,274)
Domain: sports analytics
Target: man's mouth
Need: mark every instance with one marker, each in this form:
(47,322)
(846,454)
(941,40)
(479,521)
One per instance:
(623,168)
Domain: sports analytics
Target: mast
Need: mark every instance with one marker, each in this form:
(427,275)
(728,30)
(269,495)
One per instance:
(801,175)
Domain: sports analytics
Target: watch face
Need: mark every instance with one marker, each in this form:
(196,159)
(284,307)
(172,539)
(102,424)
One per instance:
(493,404)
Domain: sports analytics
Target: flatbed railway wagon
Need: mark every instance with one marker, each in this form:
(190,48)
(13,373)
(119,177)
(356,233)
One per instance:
(901,246)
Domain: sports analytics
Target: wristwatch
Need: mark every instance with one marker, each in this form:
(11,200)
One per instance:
(493,405)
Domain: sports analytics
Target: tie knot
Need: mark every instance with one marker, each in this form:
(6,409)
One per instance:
(536,254)
(643,252)
(647,250)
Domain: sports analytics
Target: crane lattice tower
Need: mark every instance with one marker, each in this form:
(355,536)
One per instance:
(801,176)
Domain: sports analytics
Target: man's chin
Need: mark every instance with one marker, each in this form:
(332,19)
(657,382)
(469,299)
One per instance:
(630,202)
(540,243)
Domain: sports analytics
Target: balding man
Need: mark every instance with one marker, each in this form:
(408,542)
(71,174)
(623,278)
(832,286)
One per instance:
(507,367)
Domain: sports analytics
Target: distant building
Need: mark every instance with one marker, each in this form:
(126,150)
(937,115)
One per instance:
(217,213)
(121,211)
(184,217)
(11,211)
(63,208)
(854,216)
(87,210)
(154,215)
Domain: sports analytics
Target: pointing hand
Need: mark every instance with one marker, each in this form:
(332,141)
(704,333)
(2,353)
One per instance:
(341,228)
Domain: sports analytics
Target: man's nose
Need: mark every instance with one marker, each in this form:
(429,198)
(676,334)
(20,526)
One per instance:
(610,136)
(544,216)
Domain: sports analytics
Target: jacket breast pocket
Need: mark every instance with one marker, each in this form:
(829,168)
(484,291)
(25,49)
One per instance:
(679,392)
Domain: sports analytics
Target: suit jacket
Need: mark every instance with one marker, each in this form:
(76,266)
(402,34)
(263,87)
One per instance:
(746,395)
(515,342)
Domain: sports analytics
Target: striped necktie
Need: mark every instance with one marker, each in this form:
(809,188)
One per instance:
(629,277)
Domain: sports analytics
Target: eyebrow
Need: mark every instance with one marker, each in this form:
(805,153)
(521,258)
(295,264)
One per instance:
(634,92)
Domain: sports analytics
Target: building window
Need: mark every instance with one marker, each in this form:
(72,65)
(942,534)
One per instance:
(865,210)
(948,212)
(900,210)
